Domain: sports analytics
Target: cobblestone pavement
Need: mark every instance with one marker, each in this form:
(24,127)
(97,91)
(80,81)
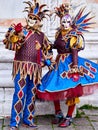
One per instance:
(88,120)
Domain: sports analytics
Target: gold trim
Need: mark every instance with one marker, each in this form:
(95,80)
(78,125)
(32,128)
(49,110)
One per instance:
(27,68)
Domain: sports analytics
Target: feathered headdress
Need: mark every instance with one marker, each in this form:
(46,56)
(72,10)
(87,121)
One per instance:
(62,10)
(82,22)
(36,10)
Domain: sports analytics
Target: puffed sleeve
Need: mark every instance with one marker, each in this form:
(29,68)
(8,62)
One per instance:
(76,44)
(14,37)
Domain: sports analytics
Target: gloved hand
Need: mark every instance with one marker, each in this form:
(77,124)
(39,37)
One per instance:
(49,63)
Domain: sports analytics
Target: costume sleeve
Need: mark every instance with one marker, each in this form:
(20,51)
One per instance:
(46,46)
(57,40)
(14,37)
(76,44)
(75,57)
(47,53)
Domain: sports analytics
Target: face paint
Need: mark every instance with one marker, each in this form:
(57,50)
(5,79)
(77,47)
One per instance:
(66,22)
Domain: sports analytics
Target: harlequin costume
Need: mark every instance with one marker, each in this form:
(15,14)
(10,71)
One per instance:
(30,45)
(73,76)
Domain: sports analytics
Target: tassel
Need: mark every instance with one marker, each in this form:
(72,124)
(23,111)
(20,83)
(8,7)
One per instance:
(72,101)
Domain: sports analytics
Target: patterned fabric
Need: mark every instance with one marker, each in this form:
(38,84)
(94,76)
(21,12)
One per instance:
(27,68)
(58,84)
(24,95)
(27,59)
(28,51)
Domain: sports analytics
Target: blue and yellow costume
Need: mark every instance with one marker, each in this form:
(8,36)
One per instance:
(66,81)
(72,76)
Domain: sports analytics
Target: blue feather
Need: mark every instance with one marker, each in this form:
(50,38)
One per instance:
(36,10)
(85,24)
(82,18)
(82,30)
(73,32)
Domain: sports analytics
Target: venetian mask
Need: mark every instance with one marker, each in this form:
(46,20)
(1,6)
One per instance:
(32,21)
(66,21)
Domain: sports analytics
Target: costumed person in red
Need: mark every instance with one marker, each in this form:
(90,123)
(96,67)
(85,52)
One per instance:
(31,47)
(73,76)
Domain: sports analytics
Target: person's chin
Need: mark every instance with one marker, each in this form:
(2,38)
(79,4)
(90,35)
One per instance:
(30,24)
(66,28)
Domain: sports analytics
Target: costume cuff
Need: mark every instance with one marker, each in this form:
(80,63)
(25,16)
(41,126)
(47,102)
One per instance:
(75,57)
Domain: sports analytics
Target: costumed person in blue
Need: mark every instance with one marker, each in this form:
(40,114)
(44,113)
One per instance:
(73,76)
(31,47)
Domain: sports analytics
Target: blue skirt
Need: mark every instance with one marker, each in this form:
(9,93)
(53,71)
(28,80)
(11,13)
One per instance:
(58,84)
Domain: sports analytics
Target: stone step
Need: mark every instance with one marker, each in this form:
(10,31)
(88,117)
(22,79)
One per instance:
(6,66)
(6,77)
(7,56)
(89,54)
(89,100)
(41,107)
